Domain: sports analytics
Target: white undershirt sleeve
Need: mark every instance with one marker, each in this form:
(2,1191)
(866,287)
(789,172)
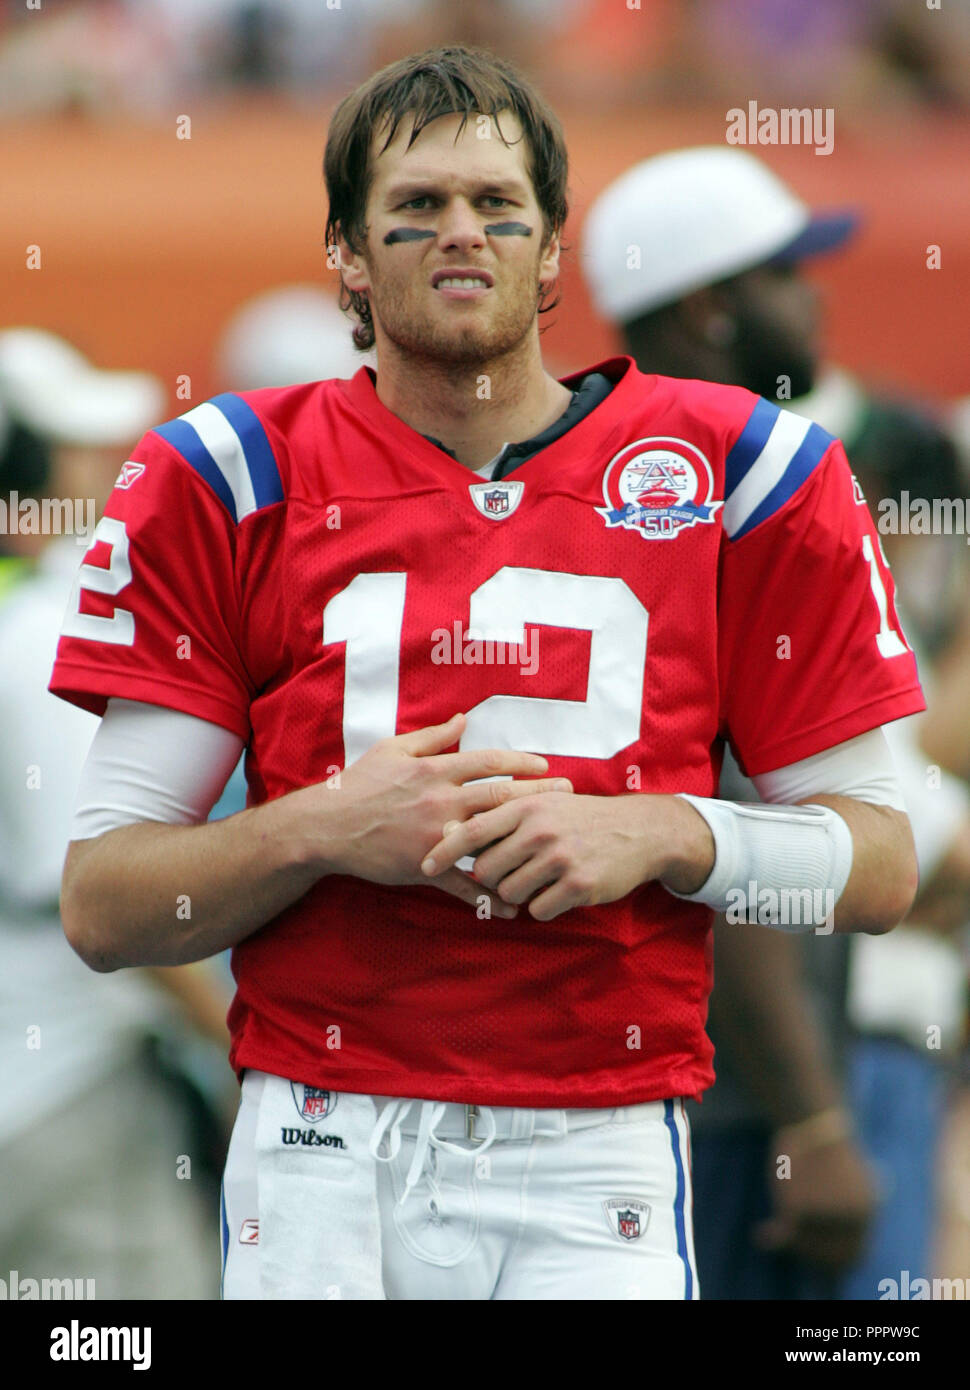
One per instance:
(148,763)
(862,767)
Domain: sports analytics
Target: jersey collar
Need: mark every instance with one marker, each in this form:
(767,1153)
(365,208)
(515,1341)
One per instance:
(595,428)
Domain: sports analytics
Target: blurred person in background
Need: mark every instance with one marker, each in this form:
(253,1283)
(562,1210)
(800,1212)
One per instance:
(287,334)
(713,290)
(96,1123)
(883,53)
(92,56)
(24,467)
(299,48)
(907,1004)
(947,739)
(98,56)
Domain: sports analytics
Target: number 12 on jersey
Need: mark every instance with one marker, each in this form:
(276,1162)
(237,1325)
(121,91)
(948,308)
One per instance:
(369,614)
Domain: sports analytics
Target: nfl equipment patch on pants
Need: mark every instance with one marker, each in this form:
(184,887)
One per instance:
(333,1195)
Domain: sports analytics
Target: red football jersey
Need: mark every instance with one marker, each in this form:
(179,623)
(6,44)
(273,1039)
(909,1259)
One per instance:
(687,565)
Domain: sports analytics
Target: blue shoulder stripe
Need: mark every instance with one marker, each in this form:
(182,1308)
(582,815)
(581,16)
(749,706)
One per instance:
(805,461)
(774,454)
(749,443)
(225,442)
(267,484)
(185,441)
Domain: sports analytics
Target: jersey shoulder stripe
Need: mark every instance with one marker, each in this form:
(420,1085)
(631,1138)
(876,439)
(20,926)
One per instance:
(225,442)
(771,458)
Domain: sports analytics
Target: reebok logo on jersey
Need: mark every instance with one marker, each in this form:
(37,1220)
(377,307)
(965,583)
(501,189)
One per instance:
(311,1138)
(627,1217)
(130,473)
(658,487)
(249,1231)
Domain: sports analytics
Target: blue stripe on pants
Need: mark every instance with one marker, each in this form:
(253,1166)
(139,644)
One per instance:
(224,1224)
(679,1199)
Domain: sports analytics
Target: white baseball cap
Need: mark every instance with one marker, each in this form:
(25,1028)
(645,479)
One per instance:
(679,221)
(54,390)
(286,336)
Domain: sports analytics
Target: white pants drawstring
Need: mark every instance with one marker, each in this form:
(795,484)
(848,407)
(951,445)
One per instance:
(432,1111)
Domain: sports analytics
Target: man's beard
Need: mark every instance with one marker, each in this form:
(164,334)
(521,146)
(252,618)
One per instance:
(762,355)
(466,344)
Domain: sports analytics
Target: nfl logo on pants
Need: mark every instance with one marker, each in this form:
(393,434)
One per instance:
(312,1102)
(627,1217)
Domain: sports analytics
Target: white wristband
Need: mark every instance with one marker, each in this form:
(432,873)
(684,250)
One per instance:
(780,866)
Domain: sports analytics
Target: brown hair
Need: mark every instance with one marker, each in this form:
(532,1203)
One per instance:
(438,82)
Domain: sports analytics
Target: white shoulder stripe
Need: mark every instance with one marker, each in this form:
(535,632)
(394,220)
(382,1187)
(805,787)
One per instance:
(781,446)
(225,447)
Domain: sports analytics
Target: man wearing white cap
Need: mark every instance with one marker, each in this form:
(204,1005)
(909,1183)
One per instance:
(52,387)
(693,254)
(287,334)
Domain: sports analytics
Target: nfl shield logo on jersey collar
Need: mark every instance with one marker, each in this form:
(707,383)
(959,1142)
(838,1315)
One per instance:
(627,1217)
(658,487)
(497,500)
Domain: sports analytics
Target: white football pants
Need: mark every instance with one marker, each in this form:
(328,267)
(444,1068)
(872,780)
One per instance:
(331,1195)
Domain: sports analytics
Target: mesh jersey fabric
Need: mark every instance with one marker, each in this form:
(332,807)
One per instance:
(317,557)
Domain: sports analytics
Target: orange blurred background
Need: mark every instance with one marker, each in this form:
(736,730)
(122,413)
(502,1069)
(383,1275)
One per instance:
(149,242)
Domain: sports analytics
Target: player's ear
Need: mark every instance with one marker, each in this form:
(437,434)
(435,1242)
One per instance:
(353,267)
(549,264)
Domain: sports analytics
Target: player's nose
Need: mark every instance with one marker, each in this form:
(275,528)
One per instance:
(460,226)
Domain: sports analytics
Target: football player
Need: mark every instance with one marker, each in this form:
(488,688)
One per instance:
(484,635)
